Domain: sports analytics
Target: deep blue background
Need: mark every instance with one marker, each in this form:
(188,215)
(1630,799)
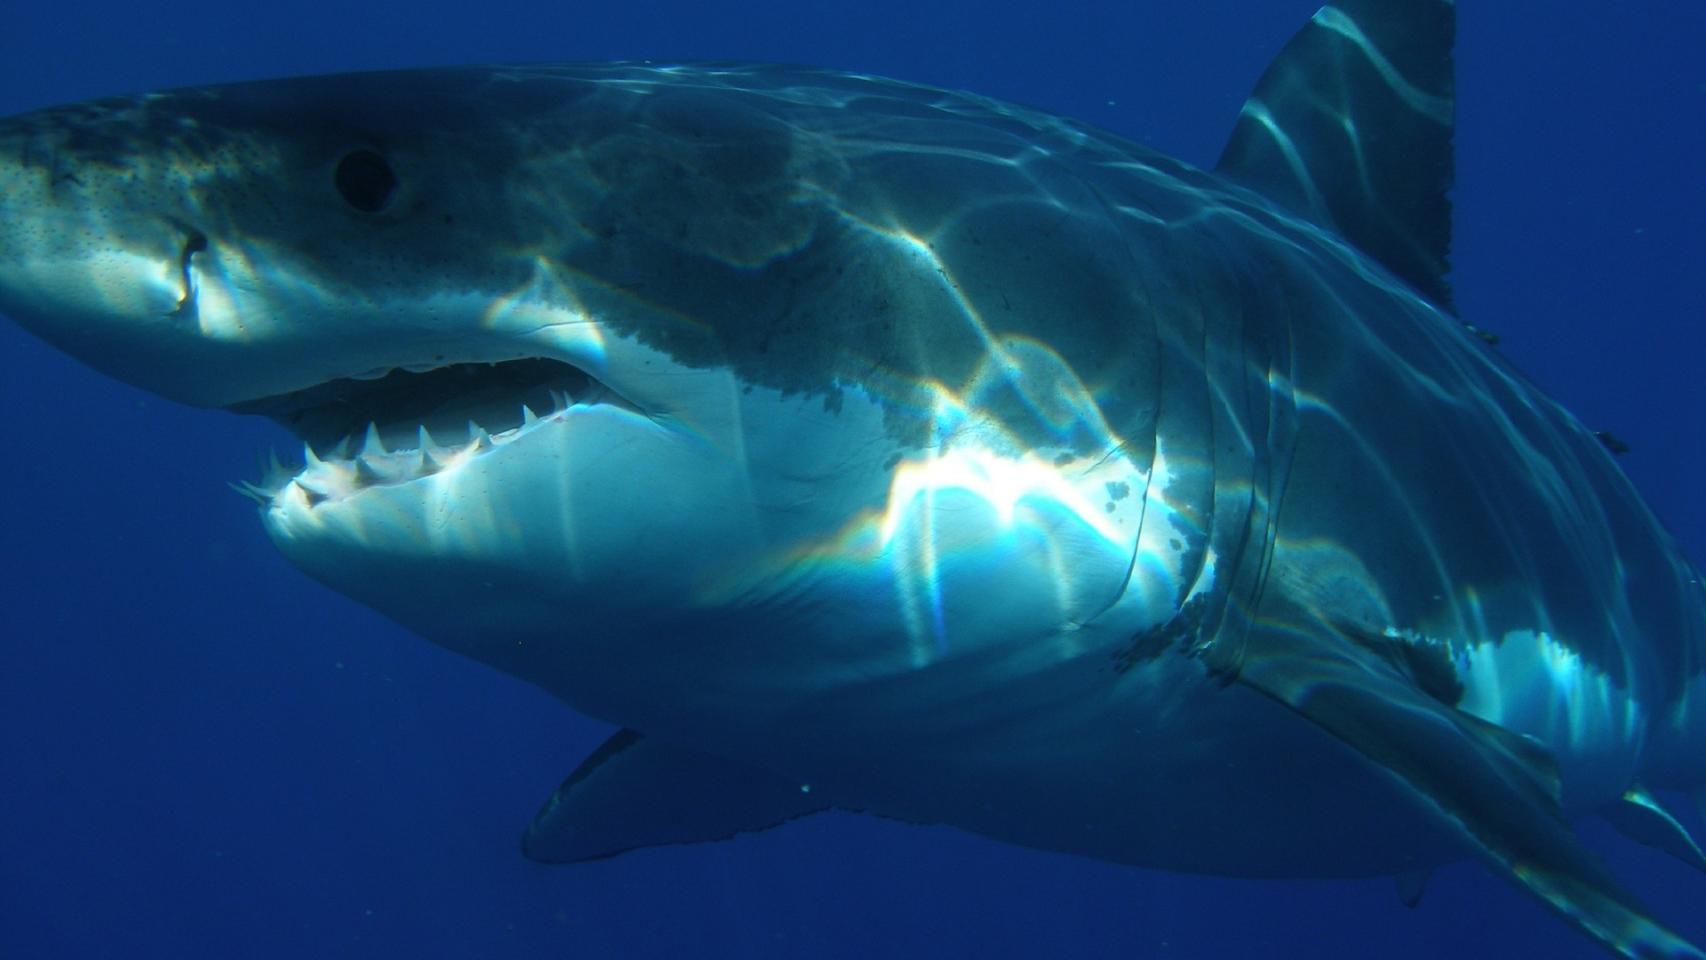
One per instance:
(202,754)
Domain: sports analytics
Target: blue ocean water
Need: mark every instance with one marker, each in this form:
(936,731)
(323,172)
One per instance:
(203,754)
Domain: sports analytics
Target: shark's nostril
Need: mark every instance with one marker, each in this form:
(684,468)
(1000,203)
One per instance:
(194,243)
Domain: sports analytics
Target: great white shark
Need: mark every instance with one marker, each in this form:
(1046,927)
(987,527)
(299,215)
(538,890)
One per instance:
(856,444)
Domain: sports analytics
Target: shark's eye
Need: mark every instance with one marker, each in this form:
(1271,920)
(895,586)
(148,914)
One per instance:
(365,180)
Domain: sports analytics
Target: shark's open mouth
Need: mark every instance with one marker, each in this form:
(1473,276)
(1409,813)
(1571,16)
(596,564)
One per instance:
(401,425)
(444,400)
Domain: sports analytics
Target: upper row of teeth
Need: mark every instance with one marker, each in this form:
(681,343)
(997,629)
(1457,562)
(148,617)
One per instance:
(338,474)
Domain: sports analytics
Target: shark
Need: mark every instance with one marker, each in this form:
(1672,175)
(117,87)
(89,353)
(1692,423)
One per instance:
(855,444)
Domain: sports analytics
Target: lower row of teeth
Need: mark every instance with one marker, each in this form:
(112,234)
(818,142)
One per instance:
(339,475)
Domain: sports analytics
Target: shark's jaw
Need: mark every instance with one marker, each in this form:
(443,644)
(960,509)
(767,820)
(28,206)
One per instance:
(401,425)
(475,502)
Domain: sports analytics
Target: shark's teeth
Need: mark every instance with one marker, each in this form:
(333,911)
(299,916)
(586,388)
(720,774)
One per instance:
(313,496)
(334,473)
(365,475)
(429,464)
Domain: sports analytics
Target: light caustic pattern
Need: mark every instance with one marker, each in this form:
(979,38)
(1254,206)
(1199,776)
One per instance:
(979,515)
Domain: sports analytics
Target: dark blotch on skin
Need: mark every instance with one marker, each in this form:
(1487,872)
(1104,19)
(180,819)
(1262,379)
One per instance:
(1151,644)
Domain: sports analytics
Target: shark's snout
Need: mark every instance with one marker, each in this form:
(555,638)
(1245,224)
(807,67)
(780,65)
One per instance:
(98,256)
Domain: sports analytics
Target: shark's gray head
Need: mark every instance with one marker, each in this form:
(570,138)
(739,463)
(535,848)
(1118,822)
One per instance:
(645,351)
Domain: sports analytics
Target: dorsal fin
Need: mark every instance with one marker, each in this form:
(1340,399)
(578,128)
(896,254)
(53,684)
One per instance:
(1351,127)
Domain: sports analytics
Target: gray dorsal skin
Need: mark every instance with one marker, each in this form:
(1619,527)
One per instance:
(968,464)
(633,792)
(1351,127)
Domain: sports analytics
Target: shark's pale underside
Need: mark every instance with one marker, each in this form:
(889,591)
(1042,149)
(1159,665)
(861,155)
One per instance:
(857,444)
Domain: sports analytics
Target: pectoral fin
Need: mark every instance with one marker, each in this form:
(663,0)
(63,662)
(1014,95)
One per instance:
(1497,789)
(633,792)
(1639,816)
